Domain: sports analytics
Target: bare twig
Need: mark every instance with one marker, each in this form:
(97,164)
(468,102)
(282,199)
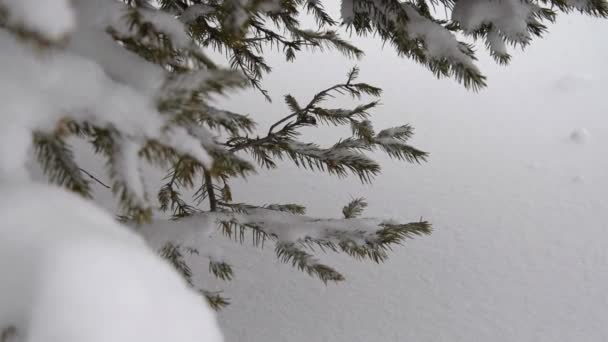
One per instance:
(210,191)
(93,178)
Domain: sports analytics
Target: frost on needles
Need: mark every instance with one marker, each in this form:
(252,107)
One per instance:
(132,79)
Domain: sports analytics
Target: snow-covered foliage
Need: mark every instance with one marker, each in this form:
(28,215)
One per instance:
(84,80)
(53,19)
(75,273)
(293,234)
(427,30)
(131,79)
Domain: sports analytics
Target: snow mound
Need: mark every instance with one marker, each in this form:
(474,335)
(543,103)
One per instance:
(53,19)
(77,275)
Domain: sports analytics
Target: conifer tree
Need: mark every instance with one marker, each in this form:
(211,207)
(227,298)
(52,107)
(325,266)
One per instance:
(132,79)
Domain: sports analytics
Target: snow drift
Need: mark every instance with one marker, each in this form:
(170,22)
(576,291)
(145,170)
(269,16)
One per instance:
(71,273)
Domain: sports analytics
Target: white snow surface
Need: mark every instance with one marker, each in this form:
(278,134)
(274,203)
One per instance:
(510,17)
(195,11)
(440,43)
(53,19)
(104,13)
(41,90)
(74,274)
(170,25)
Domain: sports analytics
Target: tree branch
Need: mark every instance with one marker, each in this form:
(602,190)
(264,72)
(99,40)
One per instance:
(305,110)
(210,190)
(94,178)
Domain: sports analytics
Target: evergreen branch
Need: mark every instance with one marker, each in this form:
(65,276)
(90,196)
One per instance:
(226,191)
(290,208)
(363,130)
(286,128)
(234,229)
(210,191)
(221,270)
(337,160)
(327,39)
(188,80)
(342,116)
(127,184)
(252,66)
(57,161)
(168,197)
(393,142)
(354,208)
(289,253)
(226,164)
(302,114)
(321,16)
(214,300)
(359,238)
(293,104)
(379,243)
(172,253)
(232,122)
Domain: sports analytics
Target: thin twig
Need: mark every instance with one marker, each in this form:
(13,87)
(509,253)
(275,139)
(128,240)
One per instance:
(174,176)
(210,190)
(281,121)
(94,178)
